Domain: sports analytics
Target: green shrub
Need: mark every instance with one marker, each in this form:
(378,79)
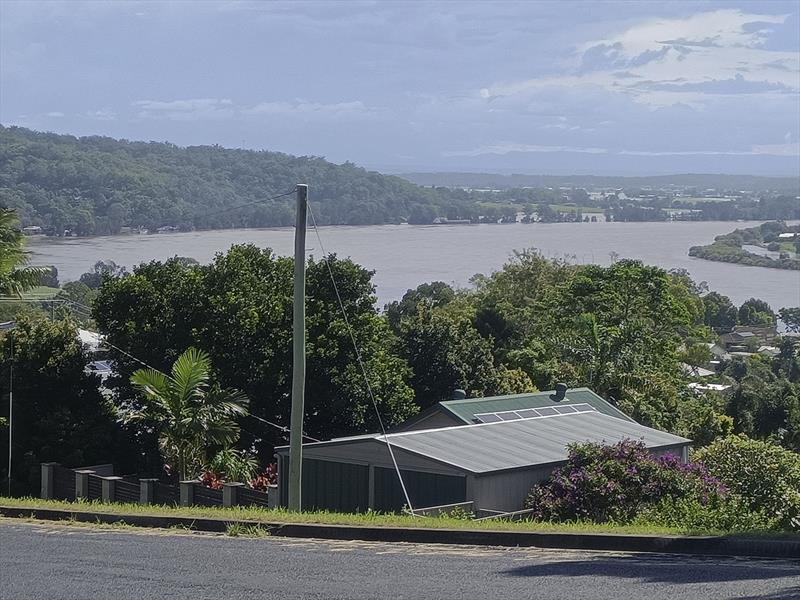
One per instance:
(765,477)
(729,514)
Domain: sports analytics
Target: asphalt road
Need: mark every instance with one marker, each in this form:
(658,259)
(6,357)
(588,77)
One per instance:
(55,562)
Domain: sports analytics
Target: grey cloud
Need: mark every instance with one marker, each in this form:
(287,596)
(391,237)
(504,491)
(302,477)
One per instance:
(103,114)
(193,109)
(709,42)
(734,85)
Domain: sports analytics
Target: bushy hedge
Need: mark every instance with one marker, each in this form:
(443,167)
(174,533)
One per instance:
(602,483)
(765,477)
(734,484)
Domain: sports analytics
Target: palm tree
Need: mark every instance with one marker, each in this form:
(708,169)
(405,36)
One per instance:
(189,413)
(15,277)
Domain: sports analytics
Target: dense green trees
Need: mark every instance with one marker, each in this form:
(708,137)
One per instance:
(97,185)
(59,412)
(765,399)
(756,312)
(616,329)
(239,310)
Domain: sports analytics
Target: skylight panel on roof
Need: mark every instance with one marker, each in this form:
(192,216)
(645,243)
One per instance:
(488,418)
(509,416)
(533,413)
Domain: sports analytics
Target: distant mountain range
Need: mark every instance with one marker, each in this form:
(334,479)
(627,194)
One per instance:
(699,181)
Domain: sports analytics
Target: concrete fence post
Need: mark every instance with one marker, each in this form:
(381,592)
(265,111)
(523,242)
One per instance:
(82,483)
(147,491)
(48,491)
(272,496)
(187,492)
(109,488)
(230,493)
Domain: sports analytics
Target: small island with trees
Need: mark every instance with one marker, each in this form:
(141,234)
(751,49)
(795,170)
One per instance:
(774,245)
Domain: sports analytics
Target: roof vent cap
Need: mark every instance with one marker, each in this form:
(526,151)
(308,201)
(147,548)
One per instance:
(561,392)
(459,395)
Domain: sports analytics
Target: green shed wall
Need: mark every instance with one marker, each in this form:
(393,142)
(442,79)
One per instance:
(329,485)
(424,489)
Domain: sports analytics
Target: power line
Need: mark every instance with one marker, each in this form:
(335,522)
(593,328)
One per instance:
(358,358)
(106,342)
(230,208)
(282,428)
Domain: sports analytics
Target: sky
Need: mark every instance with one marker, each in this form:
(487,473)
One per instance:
(606,88)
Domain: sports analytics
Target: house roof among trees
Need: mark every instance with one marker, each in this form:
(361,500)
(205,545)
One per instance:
(465,411)
(509,445)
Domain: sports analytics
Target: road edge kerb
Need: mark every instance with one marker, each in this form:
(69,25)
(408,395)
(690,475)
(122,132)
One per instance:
(701,545)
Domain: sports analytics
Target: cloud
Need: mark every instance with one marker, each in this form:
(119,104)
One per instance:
(308,110)
(507,147)
(54,114)
(194,109)
(217,109)
(709,53)
(787,149)
(103,114)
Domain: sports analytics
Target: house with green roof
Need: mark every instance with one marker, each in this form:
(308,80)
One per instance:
(469,411)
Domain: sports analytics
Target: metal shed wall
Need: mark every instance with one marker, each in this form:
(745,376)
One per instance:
(358,475)
(424,489)
(328,485)
(506,491)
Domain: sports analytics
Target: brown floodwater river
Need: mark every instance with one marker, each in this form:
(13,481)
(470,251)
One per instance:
(403,256)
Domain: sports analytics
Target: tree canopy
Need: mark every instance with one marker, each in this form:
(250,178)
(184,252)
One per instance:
(238,309)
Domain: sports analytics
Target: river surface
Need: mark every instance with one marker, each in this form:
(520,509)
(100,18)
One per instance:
(404,256)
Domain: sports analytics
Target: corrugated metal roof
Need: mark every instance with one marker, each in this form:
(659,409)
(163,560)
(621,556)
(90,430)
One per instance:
(465,410)
(526,442)
(516,444)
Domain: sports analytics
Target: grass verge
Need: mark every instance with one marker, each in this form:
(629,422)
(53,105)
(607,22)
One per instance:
(369,519)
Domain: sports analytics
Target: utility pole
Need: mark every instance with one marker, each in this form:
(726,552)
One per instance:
(299,352)
(10,406)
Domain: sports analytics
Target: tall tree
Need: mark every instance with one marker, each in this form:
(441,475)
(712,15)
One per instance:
(719,312)
(191,415)
(757,313)
(446,353)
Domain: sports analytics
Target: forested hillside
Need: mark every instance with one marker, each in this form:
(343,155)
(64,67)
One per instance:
(98,185)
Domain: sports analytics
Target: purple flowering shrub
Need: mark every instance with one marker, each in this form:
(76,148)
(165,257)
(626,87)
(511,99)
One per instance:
(603,483)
